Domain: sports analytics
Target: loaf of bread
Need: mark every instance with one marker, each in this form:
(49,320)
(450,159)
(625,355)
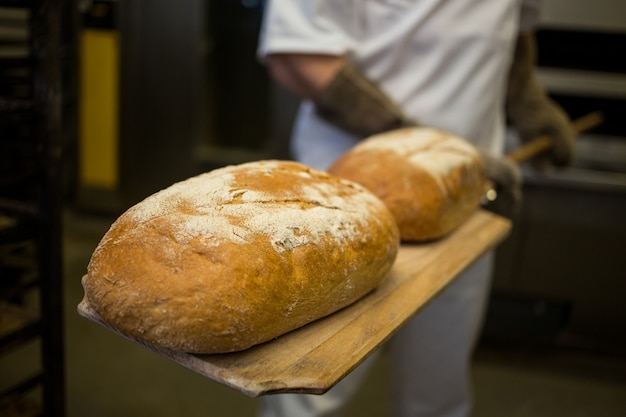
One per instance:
(239,256)
(431,180)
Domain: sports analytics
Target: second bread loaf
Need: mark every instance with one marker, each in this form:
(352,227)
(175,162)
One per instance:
(431,180)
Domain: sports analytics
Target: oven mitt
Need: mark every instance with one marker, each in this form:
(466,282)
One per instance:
(356,104)
(532,112)
(506,179)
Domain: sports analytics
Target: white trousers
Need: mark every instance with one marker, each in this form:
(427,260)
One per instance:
(429,359)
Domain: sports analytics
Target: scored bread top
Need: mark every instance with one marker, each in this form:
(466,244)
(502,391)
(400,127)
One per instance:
(240,255)
(438,153)
(242,201)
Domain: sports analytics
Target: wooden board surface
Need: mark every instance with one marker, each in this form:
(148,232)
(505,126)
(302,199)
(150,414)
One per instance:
(314,358)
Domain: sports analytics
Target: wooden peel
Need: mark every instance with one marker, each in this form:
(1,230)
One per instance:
(315,357)
(543,143)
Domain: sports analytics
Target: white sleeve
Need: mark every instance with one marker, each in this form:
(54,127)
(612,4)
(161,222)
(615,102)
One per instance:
(529,16)
(306,26)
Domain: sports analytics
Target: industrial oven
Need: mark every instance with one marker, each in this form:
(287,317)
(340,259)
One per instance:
(559,277)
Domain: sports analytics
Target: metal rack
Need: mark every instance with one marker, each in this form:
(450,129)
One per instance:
(36,53)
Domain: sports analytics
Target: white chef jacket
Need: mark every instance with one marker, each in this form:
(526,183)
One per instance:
(443,61)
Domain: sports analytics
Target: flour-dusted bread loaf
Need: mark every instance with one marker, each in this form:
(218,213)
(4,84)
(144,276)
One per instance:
(432,181)
(240,255)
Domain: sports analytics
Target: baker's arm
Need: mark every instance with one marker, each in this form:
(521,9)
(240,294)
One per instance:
(342,94)
(346,98)
(305,75)
(531,111)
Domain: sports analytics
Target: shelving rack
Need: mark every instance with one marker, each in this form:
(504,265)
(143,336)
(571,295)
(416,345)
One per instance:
(37,98)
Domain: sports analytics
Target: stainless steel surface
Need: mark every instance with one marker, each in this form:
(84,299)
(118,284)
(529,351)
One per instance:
(602,153)
(583,83)
(605,15)
(600,165)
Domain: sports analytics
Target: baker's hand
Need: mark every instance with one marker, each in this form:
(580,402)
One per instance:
(506,180)
(354,103)
(532,112)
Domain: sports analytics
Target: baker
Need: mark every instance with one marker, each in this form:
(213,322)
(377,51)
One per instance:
(365,67)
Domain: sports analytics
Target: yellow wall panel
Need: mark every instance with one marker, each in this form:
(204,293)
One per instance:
(99,104)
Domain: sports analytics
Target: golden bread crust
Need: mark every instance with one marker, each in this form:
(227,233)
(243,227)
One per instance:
(430,180)
(239,256)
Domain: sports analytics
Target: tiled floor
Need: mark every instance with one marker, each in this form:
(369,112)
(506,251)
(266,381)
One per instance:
(109,376)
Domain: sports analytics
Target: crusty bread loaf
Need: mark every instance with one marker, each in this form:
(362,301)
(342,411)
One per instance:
(240,255)
(431,180)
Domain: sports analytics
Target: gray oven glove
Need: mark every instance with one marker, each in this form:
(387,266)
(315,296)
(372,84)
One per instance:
(532,112)
(356,104)
(506,180)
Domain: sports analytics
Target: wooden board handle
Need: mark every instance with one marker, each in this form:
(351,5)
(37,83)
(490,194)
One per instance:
(543,143)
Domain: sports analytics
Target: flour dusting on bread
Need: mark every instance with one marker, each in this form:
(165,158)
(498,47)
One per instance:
(216,205)
(435,151)
(239,256)
(431,180)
